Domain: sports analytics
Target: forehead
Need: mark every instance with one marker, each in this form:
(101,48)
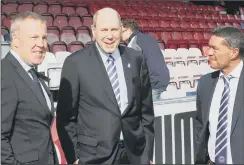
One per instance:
(106,21)
(216,41)
(31,26)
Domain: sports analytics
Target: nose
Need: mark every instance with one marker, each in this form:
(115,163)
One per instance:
(109,35)
(40,42)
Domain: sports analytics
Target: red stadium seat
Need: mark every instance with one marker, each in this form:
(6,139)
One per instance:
(220,23)
(58,46)
(198,36)
(237,25)
(230,17)
(216,16)
(83,34)
(87,21)
(40,8)
(53,34)
(6,22)
(223,16)
(206,35)
(54,8)
(4,30)
(165,36)
(212,25)
(9,8)
(25,7)
(176,36)
(49,18)
(68,10)
(60,21)
(161,45)
(75,46)
(75,21)
(68,34)
(81,11)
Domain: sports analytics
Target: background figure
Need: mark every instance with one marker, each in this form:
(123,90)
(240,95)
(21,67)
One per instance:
(27,105)
(220,112)
(158,70)
(105,111)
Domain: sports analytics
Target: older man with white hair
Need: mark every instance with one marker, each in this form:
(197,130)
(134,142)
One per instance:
(105,110)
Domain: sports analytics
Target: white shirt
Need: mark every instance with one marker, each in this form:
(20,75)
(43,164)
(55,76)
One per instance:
(27,68)
(121,76)
(214,111)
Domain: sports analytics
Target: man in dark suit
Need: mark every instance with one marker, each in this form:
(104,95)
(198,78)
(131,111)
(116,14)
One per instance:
(219,121)
(105,111)
(27,106)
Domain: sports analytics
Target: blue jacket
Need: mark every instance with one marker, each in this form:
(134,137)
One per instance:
(158,70)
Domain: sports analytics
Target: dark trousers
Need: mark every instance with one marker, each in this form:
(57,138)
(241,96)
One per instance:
(121,156)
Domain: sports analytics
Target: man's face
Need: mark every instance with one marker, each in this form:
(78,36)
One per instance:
(107,32)
(126,33)
(30,41)
(219,54)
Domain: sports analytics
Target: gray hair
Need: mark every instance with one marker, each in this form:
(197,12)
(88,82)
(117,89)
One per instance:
(233,37)
(96,15)
(17,19)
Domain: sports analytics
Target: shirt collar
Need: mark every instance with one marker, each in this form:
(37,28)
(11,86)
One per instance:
(105,56)
(235,73)
(22,62)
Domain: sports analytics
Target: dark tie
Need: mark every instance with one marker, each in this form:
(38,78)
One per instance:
(221,136)
(112,74)
(36,81)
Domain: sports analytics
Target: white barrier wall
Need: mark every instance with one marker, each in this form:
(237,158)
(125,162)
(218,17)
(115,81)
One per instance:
(174,131)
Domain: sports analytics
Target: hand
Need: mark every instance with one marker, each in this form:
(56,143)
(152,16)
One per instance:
(76,162)
(151,162)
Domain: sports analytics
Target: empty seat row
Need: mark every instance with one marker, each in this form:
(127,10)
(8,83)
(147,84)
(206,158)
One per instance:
(41,8)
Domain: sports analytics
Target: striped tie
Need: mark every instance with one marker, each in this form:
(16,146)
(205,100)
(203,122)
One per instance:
(112,74)
(221,136)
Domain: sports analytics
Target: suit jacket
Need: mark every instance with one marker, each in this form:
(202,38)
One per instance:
(89,120)
(26,118)
(205,90)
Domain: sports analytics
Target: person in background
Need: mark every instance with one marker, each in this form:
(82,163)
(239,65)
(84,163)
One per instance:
(105,111)
(27,109)
(219,123)
(158,70)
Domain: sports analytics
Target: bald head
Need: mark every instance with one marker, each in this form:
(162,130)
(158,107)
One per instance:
(106,14)
(106,29)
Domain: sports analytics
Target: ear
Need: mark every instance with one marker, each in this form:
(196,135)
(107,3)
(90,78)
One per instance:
(93,28)
(234,53)
(15,39)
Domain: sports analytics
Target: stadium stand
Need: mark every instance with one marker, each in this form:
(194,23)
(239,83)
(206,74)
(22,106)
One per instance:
(181,28)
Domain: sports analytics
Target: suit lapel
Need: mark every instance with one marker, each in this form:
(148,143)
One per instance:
(24,75)
(127,73)
(211,89)
(238,105)
(102,78)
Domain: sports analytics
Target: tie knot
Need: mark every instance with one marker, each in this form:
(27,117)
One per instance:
(227,79)
(33,72)
(110,58)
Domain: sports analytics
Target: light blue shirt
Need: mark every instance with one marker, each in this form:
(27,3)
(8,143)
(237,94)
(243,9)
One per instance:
(27,68)
(121,77)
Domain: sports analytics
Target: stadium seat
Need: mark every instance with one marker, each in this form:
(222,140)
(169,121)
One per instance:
(198,36)
(3,16)
(161,45)
(223,16)
(4,30)
(61,20)
(58,46)
(54,71)
(68,34)
(2,38)
(61,56)
(81,11)
(6,22)
(25,7)
(83,34)
(53,34)
(87,21)
(49,58)
(54,8)
(165,36)
(164,25)
(68,10)
(5,48)
(230,17)
(49,18)
(75,46)
(40,8)
(75,21)
(9,8)
(237,25)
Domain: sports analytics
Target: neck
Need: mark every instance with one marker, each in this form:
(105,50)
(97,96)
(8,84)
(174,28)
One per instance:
(231,67)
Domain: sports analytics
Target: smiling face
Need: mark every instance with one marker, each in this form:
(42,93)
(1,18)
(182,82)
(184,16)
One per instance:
(107,30)
(30,41)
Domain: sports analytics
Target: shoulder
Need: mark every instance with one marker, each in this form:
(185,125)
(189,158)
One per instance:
(131,53)
(207,77)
